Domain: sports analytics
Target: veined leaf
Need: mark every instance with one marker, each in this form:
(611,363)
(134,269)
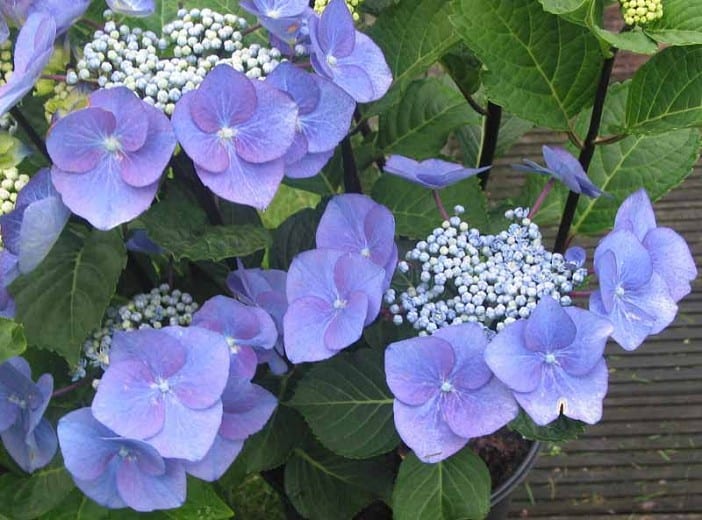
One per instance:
(12,340)
(28,497)
(681,23)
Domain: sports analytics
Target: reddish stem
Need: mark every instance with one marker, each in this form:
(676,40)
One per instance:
(542,196)
(440,204)
(69,388)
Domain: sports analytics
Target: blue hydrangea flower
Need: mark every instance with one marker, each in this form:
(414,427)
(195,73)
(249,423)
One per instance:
(575,256)
(632,295)
(236,131)
(8,272)
(32,228)
(108,158)
(28,437)
(164,386)
(324,116)
(332,295)
(357,224)
(670,254)
(553,362)
(265,289)
(562,166)
(247,408)
(282,18)
(64,12)
(135,8)
(432,173)
(117,472)
(346,56)
(444,391)
(33,50)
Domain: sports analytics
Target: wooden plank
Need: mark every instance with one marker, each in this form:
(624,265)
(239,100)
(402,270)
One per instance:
(647,516)
(586,475)
(653,427)
(653,389)
(634,442)
(645,359)
(640,491)
(635,458)
(644,400)
(597,505)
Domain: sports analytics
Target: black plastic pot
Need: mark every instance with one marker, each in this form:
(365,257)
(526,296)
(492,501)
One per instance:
(501,498)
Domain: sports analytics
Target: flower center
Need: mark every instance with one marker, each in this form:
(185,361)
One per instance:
(365,252)
(446,386)
(273,13)
(619,291)
(233,347)
(162,385)
(17,400)
(226,133)
(331,60)
(339,303)
(112,144)
(550,358)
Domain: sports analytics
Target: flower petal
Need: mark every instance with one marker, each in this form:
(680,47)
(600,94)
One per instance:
(76,142)
(548,328)
(512,361)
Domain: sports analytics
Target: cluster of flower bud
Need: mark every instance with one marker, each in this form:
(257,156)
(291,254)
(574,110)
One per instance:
(641,12)
(161,307)
(458,276)
(5,61)
(353,5)
(11,182)
(161,69)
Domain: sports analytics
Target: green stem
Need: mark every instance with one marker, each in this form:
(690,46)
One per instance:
(586,152)
(33,136)
(491,130)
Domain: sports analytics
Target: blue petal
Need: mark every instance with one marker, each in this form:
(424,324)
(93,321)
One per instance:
(41,226)
(135,8)
(217,461)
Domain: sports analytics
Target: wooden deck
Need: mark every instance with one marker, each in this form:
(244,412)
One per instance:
(644,460)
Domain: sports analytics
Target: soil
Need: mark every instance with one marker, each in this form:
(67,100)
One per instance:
(503,452)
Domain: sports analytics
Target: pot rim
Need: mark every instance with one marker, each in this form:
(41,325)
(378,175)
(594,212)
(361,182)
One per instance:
(504,489)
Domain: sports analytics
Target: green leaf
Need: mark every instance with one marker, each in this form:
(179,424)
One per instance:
(65,297)
(348,405)
(457,487)
(657,163)
(560,430)
(326,182)
(463,67)
(295,235)
(322,485)
(562,6)
(31,496)
(12,340)
(287,201)
(666,92)
(202,503)
(420,123)
(414,208)
(634,40)
(681,23)
(540,67)
(413,35)
(77,506)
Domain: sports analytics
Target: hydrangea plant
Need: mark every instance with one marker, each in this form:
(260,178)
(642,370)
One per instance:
(236,243)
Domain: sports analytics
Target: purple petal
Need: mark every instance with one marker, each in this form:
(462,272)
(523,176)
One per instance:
(76,142)
(144,492)
(308,166)
(576,255)
(131,115)
(355,273)
(576,397)
(566,167)
(242,364)
(367,57)
(335,33)
(402,166)
(217,461)
(304,325)
(424,429)
(163,355)
(85,450)
(225,98)
(39,187)
(247,408)
(671,258)
(633,262)
(299,84)
(103,489)
(416,368)
(548,328)
(346,326)
(32,450)
(479,412)
(636,215)
(328,124)
(244,182)
(511,361)
(275,8)
(468,342)
(42,224)
(312,274)
(135,8)
(587,348)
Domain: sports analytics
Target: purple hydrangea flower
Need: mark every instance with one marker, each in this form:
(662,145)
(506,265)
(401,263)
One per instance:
(135,8)
(117,472)
(265,289)
(346,56)
(108,158)
(444,391)
(28,437)
(8,272)
(561,165)
(432,173)
(283,18)
(33,50)
(247,408)
(575,256)
(357,224)
(324,116)
(63,12)
(670,254)
(164,386)
(236,131)
(332,295)
(553,362)
(632,295)
(32,228)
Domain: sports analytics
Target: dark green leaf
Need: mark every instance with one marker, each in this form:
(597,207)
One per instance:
(202,503)
(540,67)
(65,297)
(348,405)
(681,23)
(463,67)
(666,92)
(322,485)
(326,182)
(457,487)
(420,123)
(634,40)
(31,496)
(77,506)
(295,235)
(560,430)
(12,340)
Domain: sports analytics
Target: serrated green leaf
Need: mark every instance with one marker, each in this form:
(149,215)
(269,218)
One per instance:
(463,67)
(562,6)
(28,497)
(287,201)
(414,208)
(322,485)
(657,163)
(540,67)
(348,405)
(457,487)
(77,506)
(412,35)
(634,40)
(295,235)
(420,123)
(12,340)
(666,92)
(561,430)
(681,23)
(202,503)
(65,297)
